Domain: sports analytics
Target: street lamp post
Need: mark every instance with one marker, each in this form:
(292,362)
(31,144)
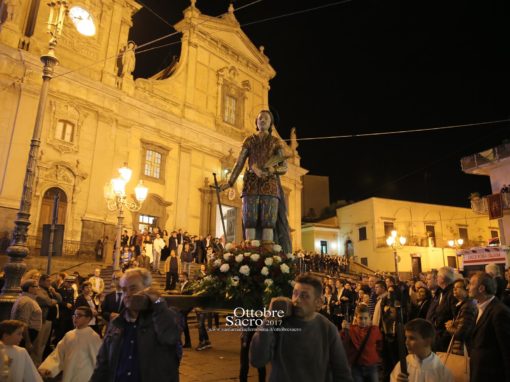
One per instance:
(117,200)
(393,242)
(18,248)
(455,244)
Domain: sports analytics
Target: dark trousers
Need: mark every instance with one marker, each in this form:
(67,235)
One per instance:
(185,327)
(202,330)
(171,280)
(216,319)
(245,360)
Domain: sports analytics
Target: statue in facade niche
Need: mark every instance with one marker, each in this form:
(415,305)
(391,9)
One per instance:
(264,209)
(128,60)
(293,140)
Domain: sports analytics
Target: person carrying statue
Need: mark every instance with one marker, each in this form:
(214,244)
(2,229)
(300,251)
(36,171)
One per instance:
(264,210)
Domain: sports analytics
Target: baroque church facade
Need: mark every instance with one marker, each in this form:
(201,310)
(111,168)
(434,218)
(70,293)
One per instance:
(174,129)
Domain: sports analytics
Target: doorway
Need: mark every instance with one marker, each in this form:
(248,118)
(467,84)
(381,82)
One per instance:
(452,262)
(230,220)
(46,212)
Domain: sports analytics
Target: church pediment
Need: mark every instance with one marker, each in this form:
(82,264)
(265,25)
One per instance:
(225,33)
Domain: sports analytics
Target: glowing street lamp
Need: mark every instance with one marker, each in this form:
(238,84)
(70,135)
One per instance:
(117,200)
(18,248)
(393,241)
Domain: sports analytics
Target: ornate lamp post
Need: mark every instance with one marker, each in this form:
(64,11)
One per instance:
(455,244)
(18,248)
(393,242)
(117,200)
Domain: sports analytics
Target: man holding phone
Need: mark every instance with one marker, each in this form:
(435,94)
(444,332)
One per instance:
(306,346)
(141,344)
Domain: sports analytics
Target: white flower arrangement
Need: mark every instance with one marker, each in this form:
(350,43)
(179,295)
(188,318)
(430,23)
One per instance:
(245,270)
(226,256)
(255,257)
(247,254)
(277,248)
(239,258)
(235,281)
(229,246)
(224,267)
(264,271)
(217,262)
(290,256)
(269,261)
(284,268)
(268,282)
(255,243)
(277,259)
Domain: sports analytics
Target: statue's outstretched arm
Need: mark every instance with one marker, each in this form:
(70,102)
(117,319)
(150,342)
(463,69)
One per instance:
(236,171)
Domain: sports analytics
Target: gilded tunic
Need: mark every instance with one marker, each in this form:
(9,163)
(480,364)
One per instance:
(260,149)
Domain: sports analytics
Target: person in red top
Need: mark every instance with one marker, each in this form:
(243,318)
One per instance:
(363,344)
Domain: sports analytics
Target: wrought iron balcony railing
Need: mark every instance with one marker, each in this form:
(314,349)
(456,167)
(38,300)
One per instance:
(488,156)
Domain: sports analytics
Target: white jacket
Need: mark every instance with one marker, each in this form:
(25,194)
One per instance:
(431,369)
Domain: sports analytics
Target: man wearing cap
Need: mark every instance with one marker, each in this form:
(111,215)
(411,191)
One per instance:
(27,310)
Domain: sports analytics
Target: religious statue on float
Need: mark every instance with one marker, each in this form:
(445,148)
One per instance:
(264,209)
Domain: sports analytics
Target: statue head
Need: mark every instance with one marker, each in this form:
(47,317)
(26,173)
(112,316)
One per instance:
(265,121)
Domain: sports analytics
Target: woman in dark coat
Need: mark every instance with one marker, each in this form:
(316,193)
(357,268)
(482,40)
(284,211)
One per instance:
(86,299)
(462,326)
(419,310)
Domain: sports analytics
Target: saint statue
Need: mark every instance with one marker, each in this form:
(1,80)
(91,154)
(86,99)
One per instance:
(264,209)
(293,140)
(128,60)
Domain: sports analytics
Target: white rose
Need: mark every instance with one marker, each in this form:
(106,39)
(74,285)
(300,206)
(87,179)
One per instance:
(268,261)
(235,281)
(226,256)
(277,259)
(290,256)
(277,248)
(245,270)
(264,271)
(255,257)
(224,267)
(229,246)
(239,258)
(217,263)
(268,282)
(255,243)
(284,268)
(247,254)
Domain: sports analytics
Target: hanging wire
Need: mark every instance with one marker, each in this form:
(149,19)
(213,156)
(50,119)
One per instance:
(381,133)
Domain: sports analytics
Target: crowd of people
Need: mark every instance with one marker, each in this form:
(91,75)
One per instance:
(454,307)
(349,329)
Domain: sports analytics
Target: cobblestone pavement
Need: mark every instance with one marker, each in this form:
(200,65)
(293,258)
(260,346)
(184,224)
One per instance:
(219,363)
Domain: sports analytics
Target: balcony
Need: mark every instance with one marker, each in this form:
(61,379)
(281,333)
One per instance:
(425,241)
(481,205)
(495,154)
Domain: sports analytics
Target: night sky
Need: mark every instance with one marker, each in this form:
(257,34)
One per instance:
(372,66)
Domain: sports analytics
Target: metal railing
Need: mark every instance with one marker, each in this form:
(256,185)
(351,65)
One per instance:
(70,248)
(488,156)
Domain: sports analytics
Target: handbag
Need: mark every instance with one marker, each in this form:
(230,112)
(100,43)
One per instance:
(457,364)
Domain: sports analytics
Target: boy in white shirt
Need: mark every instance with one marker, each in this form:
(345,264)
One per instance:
(423,365)
(21,367)
(75,355)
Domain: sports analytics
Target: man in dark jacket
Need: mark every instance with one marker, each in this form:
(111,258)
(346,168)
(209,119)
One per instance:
(445,309)
(490,345)
(142,343)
